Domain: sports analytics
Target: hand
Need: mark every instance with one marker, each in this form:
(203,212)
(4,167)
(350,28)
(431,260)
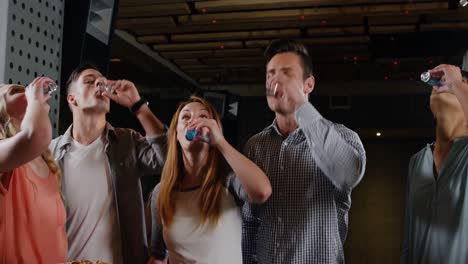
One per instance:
(449,75)
(214,131)
(292,91)
(126,93)
(35,91)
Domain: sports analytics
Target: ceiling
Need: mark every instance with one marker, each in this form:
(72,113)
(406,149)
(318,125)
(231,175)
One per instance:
(220,42)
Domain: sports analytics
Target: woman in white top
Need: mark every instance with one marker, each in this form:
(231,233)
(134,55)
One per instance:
(195,208)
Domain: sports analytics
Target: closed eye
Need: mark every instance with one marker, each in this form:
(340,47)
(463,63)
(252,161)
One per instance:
(90,81)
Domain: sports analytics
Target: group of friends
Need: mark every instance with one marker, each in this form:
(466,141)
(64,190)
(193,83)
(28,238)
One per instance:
(285,199)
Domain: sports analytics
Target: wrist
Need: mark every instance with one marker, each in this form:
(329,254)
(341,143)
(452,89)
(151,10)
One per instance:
(138,105)
(458,86)
(222,145)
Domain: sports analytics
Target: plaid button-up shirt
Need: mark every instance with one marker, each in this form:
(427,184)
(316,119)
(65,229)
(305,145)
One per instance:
(312,172)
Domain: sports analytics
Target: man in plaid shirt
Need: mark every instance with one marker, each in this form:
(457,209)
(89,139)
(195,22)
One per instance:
(312,163)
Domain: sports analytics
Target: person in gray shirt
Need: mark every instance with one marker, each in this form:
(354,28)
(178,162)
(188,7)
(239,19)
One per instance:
(102,166)
(436,226)
(312,163)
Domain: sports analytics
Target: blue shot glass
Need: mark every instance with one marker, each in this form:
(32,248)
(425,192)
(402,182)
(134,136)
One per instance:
(191,134)
(430,80)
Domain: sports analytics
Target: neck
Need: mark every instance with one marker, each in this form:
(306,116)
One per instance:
(449,128)
(286,124)
(87,128)
(193,164)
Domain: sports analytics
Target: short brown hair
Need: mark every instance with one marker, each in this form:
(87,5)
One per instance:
(278,46)
(77,71)
(464,74)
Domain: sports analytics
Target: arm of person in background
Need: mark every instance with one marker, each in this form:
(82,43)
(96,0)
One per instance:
(158,251)
(35,132)
(253,180)
(453,83)
(151,149)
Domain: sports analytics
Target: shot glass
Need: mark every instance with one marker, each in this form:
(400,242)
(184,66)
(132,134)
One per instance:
(271,91)
(191,134)
(430,80)
(51,89)
(106,88)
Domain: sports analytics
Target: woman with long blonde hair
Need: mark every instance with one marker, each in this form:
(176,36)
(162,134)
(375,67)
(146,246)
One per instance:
(32,214)
(196,206)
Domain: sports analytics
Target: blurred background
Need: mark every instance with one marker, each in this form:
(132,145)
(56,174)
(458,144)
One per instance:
(368,56)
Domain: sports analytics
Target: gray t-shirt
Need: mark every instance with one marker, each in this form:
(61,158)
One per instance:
(92,223)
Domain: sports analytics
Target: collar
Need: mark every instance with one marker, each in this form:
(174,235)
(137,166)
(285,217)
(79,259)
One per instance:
(66,139)
(274,128)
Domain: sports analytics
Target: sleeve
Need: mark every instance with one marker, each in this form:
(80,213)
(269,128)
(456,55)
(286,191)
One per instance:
(158,246)
(250,225)
(151,152)
(235,188)
(338,150)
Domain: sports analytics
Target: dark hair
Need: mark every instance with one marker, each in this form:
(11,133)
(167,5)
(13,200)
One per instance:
(464,74)
(77,71)
(288,45)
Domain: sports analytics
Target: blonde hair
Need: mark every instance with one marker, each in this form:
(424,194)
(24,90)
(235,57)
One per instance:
(7,130)
(209,201)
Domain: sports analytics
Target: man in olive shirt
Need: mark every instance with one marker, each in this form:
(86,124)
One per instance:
(102,166)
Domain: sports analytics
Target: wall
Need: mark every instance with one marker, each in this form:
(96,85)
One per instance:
(30,44)
(377,212)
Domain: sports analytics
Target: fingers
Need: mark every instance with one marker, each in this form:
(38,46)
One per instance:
(273,82)
(211,124)
(121,85)
(112,96)
(44,82)
(36,89)
(443,69)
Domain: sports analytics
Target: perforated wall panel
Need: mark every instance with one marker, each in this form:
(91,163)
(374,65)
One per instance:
(33,44)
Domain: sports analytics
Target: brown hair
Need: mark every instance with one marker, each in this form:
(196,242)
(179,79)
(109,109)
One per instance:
(209,202)
(76,73)
(278,46)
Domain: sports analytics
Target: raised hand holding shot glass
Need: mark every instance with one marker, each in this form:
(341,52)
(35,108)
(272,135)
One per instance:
(48,86)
